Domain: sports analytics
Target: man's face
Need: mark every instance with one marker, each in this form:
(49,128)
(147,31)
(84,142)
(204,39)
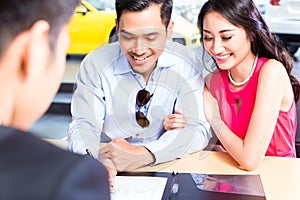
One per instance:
(142,37)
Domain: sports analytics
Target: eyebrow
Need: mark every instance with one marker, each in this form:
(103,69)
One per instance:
(146,34)
(222,31)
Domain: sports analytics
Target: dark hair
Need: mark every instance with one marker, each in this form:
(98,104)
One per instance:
(244,13)
(17,16)
(139,5)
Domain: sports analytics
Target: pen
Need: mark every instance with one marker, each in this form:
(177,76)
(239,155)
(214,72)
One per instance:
(88,152)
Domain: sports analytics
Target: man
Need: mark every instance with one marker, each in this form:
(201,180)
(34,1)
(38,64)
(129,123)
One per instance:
(33,43)
(126,89)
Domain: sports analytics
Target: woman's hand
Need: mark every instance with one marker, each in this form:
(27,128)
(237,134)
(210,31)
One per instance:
(211,107)
(175,121)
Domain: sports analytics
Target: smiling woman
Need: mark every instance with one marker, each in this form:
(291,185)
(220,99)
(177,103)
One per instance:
(249,117)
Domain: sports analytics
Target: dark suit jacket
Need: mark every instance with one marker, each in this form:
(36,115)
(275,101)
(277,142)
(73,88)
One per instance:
(33,169)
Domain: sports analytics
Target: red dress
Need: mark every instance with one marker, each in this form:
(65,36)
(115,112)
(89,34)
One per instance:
(283,139)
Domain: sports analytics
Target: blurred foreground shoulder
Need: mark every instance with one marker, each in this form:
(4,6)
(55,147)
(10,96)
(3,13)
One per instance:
(86,178)
(45,171)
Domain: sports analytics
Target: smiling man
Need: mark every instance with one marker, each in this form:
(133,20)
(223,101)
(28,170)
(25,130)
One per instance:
(126,89)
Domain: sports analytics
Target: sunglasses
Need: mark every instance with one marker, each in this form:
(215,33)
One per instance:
(142,98)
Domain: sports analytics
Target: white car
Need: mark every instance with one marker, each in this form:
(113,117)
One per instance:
(283,19)
(262,5)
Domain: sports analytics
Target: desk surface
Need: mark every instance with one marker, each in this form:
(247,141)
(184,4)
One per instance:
(280,176)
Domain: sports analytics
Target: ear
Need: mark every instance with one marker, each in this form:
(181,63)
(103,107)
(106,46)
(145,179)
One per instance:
(38,46)
(117,25)
(170,29)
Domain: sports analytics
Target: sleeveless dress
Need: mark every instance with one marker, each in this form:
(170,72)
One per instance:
(283,139)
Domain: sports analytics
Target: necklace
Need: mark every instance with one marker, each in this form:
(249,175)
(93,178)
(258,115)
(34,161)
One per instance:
(247,79)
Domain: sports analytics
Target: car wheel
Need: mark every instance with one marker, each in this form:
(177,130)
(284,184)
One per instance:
(113,36)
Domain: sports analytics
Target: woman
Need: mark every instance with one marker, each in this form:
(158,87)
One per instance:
(250,99)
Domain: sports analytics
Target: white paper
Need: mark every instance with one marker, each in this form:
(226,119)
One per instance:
(138,187)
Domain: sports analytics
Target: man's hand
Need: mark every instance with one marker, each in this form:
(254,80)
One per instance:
(125,156)
(112,171)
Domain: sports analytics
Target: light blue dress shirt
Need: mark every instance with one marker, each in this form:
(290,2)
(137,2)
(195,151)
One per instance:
(104,102)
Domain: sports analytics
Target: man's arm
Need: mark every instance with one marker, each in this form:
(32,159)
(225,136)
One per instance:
(88,99)
(195,135)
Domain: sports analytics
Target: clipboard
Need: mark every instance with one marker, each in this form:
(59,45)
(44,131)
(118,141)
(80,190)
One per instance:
(186,187)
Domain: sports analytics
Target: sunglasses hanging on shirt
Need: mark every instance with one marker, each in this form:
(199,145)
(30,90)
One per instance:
(142,98)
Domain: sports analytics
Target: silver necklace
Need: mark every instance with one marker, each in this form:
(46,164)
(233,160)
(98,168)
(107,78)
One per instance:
(247,79)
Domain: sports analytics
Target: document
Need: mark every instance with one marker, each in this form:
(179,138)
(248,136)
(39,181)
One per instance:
(190,186)
(138,187)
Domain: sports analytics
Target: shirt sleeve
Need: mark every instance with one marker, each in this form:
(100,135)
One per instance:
(195,136)
(88,111)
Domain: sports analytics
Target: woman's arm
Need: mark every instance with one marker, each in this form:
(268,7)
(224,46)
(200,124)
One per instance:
(274,93)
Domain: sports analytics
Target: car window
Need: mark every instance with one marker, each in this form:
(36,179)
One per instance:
(102,4)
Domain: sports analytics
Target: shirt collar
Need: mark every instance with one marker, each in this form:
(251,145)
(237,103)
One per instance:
(122,65)
(168,58)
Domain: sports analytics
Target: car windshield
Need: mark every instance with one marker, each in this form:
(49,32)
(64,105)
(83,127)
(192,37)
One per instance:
(102,4)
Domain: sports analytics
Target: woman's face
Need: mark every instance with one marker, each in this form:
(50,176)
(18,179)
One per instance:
(228,44)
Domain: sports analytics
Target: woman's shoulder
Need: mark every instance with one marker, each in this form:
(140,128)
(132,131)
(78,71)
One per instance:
(274,75)
(273,68)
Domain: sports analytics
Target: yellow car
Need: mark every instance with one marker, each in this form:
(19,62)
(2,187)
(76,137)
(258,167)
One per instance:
(93,25)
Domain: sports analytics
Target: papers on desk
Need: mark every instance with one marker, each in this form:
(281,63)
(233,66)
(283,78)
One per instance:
(191,186)
(138,187)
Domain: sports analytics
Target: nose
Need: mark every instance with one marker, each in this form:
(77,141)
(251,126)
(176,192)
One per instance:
(218,46)
(139,47)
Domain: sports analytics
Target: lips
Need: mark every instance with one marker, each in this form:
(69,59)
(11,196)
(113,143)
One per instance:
(139,60)
(222,58)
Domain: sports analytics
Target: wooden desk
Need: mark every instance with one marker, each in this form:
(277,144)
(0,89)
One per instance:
(280,176)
